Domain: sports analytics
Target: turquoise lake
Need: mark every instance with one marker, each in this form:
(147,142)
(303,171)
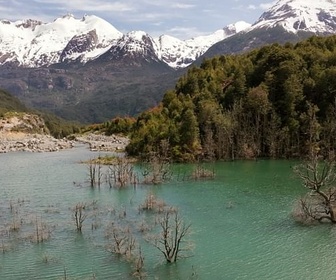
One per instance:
(240,221)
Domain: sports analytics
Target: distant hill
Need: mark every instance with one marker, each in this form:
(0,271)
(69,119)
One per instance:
(277,101)
(10,103)
(86,70)
(55,125)
(286,21)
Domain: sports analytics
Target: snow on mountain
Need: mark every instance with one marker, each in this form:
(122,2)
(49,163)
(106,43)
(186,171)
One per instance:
(318,16)
(34,44)
(175,52)
(135,44)
(178,54)
(31,43)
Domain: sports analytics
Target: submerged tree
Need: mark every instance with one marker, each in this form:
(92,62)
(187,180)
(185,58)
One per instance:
(121,174)
(200,172)
(79,215)
(156,170)
(318,176)
(95,173)
(173,232)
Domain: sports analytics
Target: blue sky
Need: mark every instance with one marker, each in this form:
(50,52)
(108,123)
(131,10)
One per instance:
(180,18)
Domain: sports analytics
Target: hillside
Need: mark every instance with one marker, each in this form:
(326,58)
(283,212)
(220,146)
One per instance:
(98,92)
(10,103)
(276,101)
(27,132)
(88,71)
(12,106)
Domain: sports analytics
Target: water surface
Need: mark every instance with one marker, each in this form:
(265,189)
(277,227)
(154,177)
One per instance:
(241,224)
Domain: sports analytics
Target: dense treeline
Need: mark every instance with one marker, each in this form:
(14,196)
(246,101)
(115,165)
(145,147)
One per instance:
(275,101)
(58,127)
(116,125)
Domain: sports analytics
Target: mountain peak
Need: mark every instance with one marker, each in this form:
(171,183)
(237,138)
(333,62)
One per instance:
(301,15)
(31,43)
(179,54)
(238,26)
(68,16)
(29,23)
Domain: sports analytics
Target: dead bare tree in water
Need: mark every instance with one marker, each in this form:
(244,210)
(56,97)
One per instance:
(95,173)
(200,172)
(121,239)
(157,169)
(42,231)
(152,203)
(121,174)
(319,177)
(171,239)
(123,244)
(79,215)
(139,263)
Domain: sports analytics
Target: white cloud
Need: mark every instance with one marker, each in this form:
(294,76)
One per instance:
(265,6)
(251,7)
(168,5)
(89,5)
(184,32)
(182,6)
(159,16)
(145,17)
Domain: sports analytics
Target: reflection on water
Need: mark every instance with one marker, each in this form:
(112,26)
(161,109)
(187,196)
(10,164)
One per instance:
(241,226)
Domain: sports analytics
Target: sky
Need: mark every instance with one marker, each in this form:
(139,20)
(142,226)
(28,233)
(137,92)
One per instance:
(183,19)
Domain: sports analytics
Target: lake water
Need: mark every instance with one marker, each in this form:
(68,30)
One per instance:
(241,224)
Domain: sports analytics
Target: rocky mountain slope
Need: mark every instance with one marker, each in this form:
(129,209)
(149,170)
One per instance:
(31,43)
(86,70)
(286,21)
(300,15)
(179,54)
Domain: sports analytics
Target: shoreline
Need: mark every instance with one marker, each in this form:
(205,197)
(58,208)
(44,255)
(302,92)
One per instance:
(38,143)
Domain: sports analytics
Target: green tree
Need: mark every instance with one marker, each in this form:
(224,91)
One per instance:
(189,132)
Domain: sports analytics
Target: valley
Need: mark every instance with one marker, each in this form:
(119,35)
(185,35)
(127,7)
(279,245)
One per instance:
(93,72)
(125,156)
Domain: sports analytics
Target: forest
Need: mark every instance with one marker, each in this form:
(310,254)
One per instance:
(277,101)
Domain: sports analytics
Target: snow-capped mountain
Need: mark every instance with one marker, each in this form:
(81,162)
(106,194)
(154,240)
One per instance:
(133,45)
(286,21)
(318,16)
(179,54)
(31,43)
(117,74)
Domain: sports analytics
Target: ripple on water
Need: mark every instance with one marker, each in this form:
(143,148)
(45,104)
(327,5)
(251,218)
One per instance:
(240,223)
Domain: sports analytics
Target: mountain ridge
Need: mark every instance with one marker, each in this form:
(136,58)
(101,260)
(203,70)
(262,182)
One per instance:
(300,15)
(94,78)
(68,39)
(31,43)
(286,21)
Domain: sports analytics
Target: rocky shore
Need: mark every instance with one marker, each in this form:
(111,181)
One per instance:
(99,142)
(14,142)
(27,132)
